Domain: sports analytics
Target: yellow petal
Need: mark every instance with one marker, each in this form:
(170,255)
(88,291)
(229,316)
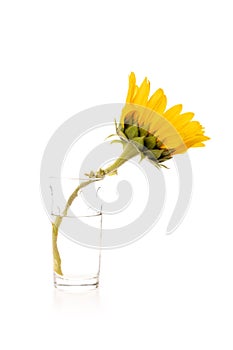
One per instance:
(195,139)
(199,144)
(173,112)
(161,105)
(132,83)
(180,121)
(155,98)
(142,94)
(192,128)
(135,92)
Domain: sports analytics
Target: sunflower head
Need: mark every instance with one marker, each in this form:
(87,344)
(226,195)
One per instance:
(147,144)
(147,128)
(157,133)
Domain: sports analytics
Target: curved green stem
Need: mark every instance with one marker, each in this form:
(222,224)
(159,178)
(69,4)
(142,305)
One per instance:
(129,152)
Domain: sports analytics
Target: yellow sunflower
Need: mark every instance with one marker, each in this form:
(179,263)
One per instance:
(148,129)
(146,121)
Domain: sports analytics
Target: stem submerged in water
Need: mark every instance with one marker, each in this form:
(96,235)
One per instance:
(129,152)
(57,223)
(56,255)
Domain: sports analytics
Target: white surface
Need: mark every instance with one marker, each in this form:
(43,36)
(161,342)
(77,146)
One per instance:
(163,292)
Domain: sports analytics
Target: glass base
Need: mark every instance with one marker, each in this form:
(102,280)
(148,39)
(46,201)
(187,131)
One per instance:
(75,284)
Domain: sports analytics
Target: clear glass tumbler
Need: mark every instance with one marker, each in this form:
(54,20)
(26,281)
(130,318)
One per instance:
(77,235)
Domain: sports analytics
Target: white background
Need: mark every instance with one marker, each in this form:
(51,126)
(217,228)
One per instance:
(163,292)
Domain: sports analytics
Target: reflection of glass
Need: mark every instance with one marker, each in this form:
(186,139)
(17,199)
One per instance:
(75,303)
(80,265)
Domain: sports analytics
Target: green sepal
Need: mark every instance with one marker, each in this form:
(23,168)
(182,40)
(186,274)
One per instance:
(123,143)
(108,137)
(163,159)
(150,142)
(131,132)
(139,142)
(167,152)
(142,132)
(172,150)
(159,144)
(156,153)
(164,166)
(115,122)
(116,141)
(120,133)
